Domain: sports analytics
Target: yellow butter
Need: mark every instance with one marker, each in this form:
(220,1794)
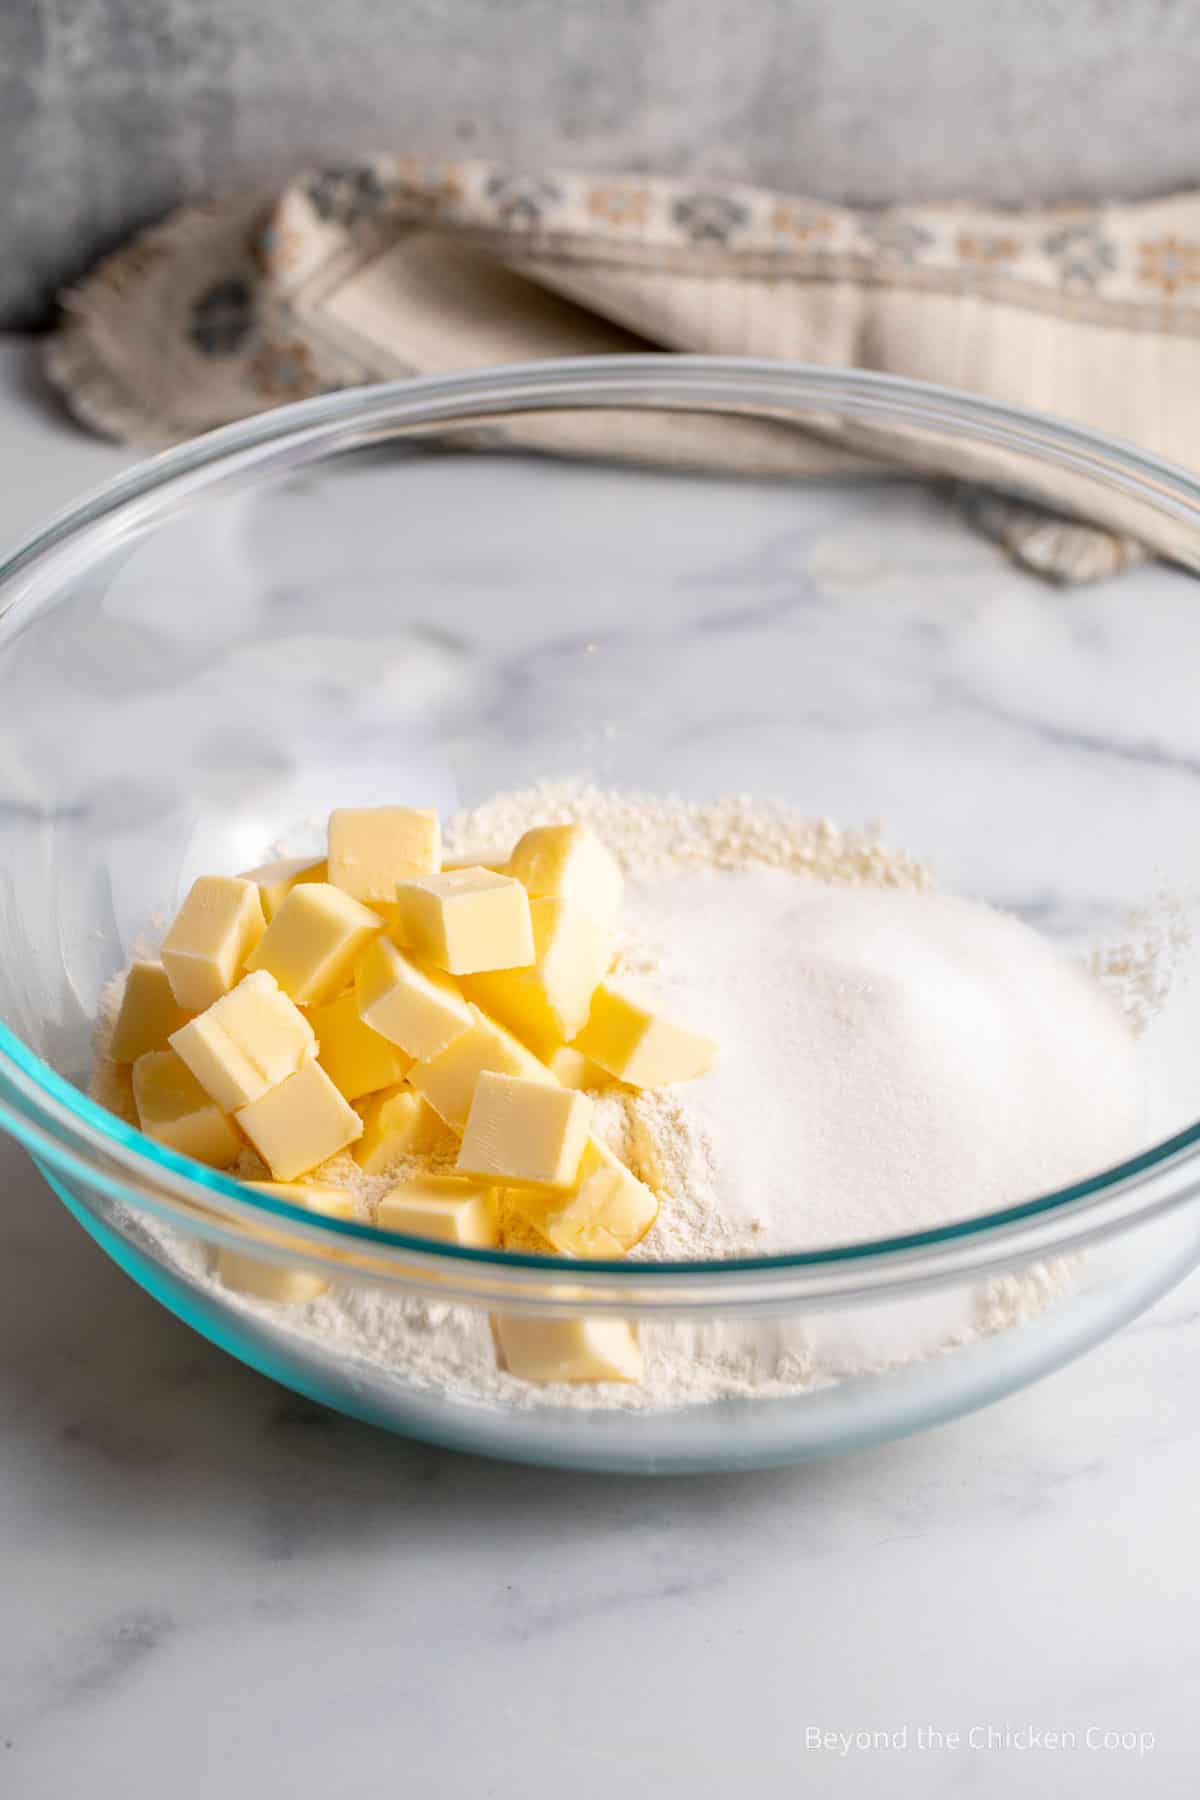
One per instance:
(549,1002)
(527,1132)
(606,1213)
(249,1040)
(314,940)
(451,1208)
(211,938)
(275,1281)
(585,1349)
(267,1281)
(173,1109)
(415,1005)
(466,920)
(112,1085)
(448,1081)
(638,1046)
(575,1070)
(317,1196)
(569,861)
(496,860)
(300,1123)
(387,910)
(371,848)
(397,1124)
(149,1013)
(357,1060)
(275,880)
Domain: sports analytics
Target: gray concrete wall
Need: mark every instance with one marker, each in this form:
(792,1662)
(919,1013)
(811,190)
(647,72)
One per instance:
(112,110)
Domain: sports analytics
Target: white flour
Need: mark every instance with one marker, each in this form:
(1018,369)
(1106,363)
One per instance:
(890,1060)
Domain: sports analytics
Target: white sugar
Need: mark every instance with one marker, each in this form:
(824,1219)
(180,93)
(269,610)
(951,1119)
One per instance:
(889,1061)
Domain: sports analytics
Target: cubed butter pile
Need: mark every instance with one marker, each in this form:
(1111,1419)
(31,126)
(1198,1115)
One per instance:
(456,1013)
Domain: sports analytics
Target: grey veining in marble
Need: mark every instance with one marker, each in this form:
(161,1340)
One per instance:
(113,110)
(209,1586)
(182,1542)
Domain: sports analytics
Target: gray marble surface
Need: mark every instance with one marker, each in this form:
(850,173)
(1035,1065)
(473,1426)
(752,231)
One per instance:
(113,110)
(210,1586)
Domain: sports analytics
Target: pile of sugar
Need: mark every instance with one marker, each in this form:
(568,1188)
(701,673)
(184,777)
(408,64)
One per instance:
(891,1059)
(892,1062)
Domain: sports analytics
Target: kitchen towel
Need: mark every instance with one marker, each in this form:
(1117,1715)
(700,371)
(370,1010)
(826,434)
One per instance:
(395,266)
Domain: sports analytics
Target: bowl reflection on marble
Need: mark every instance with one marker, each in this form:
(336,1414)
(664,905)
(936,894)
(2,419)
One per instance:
(329,602)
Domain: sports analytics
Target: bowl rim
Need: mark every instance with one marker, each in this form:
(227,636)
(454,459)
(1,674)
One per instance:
(60,1124)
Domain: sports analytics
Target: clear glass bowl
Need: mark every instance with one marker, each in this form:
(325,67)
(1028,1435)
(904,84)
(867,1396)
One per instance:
(327,604)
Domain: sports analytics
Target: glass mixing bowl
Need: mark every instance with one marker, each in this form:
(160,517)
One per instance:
(329,604)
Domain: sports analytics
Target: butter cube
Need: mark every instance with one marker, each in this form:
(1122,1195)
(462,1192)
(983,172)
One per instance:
(399,1124)
(212,936)
(525,1132)
(451,1208)
(112,1085)
(275,880)
(315,1196)
(495,860)
(466,920)
(275,1281)
(357,1060)
(314,940)
(267,1281)
(585,1349)
(548,1003)
(371,848)
(570,862)
(606,1214)
(249,1040)
(173,1109)
(448,1081)
(415,1005)
(575,1070)
(300,1123)
(639,1047)
(149,1013)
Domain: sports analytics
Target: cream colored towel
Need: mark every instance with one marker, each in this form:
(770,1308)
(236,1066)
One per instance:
(395,267)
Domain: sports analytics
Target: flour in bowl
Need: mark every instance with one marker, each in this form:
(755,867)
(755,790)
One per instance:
(891,1059)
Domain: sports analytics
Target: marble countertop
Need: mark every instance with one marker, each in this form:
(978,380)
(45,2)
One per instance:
(212,1586)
